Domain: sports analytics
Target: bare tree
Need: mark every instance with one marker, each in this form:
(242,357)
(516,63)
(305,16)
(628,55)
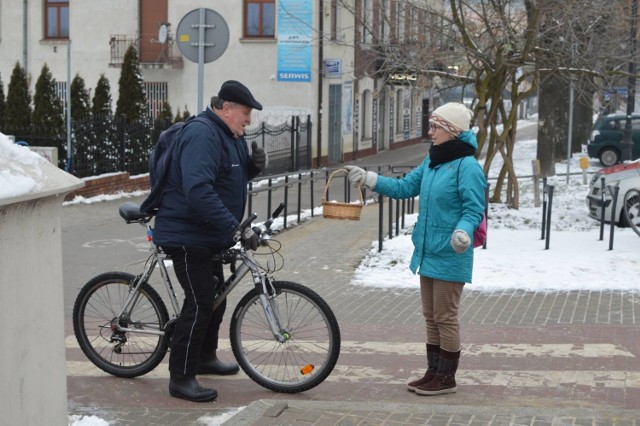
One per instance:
(505,50)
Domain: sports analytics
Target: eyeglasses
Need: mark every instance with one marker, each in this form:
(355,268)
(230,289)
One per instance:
(433,127)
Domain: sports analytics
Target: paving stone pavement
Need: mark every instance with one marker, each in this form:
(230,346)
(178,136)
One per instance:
(529,358)
(269,412)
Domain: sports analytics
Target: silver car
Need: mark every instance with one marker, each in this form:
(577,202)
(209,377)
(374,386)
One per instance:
(627,178)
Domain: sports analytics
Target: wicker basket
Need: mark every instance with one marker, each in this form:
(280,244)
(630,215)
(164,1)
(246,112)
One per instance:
(335,210)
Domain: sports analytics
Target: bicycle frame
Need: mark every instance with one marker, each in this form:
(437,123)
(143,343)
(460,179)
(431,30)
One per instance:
(248,265)
(263,286)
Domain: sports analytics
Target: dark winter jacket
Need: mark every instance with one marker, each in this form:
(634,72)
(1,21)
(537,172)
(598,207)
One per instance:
(206,189)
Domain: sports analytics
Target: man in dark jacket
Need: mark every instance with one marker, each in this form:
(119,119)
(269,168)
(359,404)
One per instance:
(203,203)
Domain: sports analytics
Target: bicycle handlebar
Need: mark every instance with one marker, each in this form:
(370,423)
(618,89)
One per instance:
(278,211)
(237,233)
(275,214)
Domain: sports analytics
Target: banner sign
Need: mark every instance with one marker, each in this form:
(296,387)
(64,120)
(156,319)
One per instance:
(295,32)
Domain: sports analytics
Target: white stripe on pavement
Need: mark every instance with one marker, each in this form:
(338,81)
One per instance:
(509,350)
(358,374)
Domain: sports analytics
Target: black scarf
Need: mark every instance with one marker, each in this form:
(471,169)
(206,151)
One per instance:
(449,151)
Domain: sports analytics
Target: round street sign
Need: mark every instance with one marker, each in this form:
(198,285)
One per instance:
(215,35)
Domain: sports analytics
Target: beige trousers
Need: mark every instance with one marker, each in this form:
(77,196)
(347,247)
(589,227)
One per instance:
(440,303)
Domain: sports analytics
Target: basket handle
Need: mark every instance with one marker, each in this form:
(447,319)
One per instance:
(324,193)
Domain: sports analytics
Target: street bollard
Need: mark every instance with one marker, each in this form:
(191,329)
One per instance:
(614,192)
(535,169)
(584,165)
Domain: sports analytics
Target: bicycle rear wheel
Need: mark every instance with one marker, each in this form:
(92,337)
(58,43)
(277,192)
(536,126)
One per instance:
(312,346)
(632,209)
(122,354)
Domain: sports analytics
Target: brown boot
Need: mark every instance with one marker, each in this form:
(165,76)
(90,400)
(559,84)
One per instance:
(445,379)
(433,359)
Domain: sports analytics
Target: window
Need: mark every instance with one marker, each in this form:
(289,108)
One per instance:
(399,111)
(367,22)
(334,19)
(61,93)
(56,19)
(400,23)
(384,30)
(259,18)
(366,115)
(412,25)
(156,93)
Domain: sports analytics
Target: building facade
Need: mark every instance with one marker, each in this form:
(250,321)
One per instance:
(321,58)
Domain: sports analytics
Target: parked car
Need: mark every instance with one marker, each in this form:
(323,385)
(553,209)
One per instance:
(605,142)
(626,176)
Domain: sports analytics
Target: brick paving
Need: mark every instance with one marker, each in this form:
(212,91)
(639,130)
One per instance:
(537,389)
(529,358)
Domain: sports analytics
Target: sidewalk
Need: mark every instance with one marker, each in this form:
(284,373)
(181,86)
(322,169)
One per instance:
(274,412)
(535,358)
(529,358)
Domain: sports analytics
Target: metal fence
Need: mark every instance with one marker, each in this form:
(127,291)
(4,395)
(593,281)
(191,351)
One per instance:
(288,145)
(305,189)
(110,144)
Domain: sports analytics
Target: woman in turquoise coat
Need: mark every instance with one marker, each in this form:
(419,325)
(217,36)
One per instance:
(451,186)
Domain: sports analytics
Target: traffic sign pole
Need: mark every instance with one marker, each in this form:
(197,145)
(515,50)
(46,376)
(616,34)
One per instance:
(203,36)
(201,39)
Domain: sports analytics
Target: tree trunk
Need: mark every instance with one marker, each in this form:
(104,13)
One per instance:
(582,118)
(552,131)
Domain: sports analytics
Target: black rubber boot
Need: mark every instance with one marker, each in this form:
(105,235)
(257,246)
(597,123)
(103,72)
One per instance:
(433,361)
(212,365)
(187,387)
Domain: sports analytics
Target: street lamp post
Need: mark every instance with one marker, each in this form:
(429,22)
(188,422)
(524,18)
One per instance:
(627,142)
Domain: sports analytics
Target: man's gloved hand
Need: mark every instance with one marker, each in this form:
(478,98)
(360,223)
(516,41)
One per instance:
(258,156)
(249,239)
(460,241)
(358,176)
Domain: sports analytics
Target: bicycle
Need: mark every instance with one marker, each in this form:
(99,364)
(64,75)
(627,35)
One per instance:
(283,335)
(631,208)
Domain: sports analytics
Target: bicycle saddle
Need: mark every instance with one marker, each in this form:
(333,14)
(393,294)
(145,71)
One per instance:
(131,213)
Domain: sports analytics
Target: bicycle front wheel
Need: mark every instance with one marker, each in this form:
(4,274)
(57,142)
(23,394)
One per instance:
(312,339)
(95,316)
(632,209)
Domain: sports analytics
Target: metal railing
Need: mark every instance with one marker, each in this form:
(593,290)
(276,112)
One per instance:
(168,53)
(301,191)
(108,144)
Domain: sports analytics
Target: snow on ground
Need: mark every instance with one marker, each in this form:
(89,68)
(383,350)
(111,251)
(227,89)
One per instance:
(515,257)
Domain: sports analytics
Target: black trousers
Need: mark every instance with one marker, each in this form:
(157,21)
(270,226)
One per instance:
(196,332)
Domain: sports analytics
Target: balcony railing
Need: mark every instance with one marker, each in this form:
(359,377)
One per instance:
(163,55)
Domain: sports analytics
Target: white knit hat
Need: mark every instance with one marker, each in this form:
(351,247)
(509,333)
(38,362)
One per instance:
(453,116)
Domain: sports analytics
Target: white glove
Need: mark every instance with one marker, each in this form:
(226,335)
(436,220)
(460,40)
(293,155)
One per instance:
(460,241)
(358,176)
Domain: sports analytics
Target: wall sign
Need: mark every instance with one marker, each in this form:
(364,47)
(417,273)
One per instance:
(332,68)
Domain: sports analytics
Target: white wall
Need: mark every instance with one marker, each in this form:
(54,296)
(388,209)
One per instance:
(33,372)
(32,350)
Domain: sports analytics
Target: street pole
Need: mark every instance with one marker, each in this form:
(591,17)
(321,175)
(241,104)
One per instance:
(570,132)
(627,142)
(68,102)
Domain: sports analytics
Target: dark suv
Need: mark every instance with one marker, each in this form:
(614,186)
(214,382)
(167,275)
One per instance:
(605,142)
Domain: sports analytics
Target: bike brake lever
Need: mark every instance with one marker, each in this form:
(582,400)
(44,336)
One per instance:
(275,214)
(237,233)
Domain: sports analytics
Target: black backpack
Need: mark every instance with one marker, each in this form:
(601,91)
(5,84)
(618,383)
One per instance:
(159,160)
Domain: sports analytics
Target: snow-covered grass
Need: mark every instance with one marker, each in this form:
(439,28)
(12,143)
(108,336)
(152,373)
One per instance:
(515,257)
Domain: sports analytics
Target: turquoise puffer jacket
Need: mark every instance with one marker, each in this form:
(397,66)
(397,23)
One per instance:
(451,197)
